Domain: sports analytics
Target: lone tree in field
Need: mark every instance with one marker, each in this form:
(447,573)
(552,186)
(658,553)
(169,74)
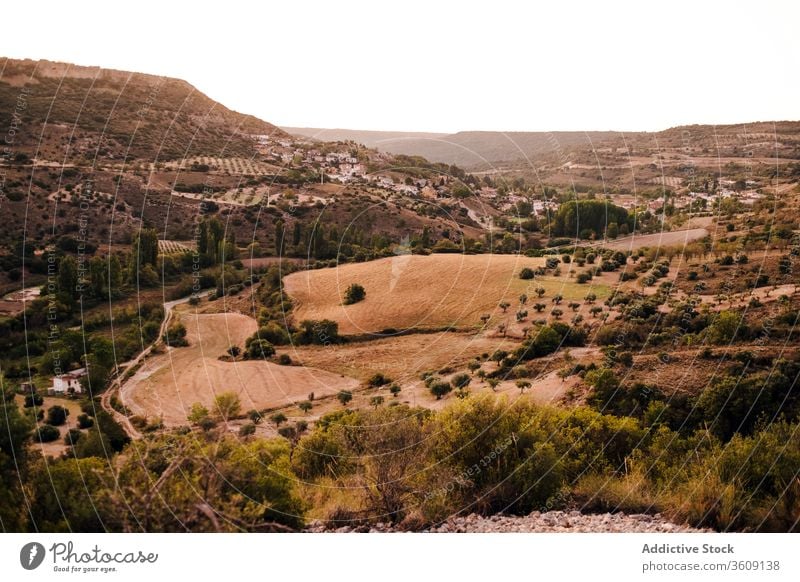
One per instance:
(344,396)
(305,406)
(504,305)
(354,294)
(523,385)
(394,389)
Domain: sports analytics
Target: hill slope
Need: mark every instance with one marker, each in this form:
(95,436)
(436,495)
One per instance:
(116,114)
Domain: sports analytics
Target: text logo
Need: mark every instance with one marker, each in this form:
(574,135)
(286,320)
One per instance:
(31,555)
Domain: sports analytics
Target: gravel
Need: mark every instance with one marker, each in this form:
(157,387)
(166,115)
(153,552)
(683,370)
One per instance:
(536,522)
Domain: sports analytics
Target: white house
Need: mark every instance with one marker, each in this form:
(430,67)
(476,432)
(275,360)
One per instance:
(68,382)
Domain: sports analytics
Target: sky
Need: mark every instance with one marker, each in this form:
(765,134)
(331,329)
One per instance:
(443,66)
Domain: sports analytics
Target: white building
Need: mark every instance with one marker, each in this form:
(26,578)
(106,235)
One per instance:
(69,382)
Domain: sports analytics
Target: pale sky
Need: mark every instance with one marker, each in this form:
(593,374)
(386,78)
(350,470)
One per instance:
(443,66)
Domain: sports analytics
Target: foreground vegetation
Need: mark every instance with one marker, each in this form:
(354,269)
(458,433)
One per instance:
(406,465)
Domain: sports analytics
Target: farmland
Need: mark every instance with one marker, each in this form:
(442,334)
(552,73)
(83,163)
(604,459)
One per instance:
(410,291)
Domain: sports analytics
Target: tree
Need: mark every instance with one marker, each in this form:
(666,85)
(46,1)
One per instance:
(590,298)
(376,401)
(574,306)
(48,433)
(144,252)
(260,349)
(354,294)
(725,327)
(540,291)
(523,385)
(440,389)
(493,383)
(523,299)
(460,381)
(521,315)
(344,396)
(504,305)
(227,405)
(526,273)
(254,416)
(278,418)
(175,335)
(557,298)
(197,413)
(394,389)
(595,309)
(85,421)
(485,318)
(305,406)
(557,313)
(57,415)
(539,307)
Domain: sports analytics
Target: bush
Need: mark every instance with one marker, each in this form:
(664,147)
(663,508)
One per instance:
(33,400)
(57,415)
(48,433)
(378,380)
(526,273)
(175,335)
(85,421)
(354,294)
(227,405)
(440,389)
(260,349)
(285,360)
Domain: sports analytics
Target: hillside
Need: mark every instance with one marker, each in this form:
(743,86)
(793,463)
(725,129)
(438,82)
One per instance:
(470,149)
(118,114)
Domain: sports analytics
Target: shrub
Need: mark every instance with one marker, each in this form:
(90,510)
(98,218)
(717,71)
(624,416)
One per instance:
(48,433)
(227,405)
(440,389)
(33,400)
(354,294)
(85,421)
(526,273)
(57,415)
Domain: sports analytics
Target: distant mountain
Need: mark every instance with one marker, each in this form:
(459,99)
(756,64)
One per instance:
(114,114)
(469,149)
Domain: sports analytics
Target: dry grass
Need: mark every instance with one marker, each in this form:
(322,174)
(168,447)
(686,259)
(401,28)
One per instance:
(412,291)
(168,384)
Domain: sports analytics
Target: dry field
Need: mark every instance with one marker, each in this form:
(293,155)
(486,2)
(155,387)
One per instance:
(413,291)
(401,358)
(660,239)
(168,384)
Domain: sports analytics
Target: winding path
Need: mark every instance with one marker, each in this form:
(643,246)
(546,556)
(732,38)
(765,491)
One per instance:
(119,378)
